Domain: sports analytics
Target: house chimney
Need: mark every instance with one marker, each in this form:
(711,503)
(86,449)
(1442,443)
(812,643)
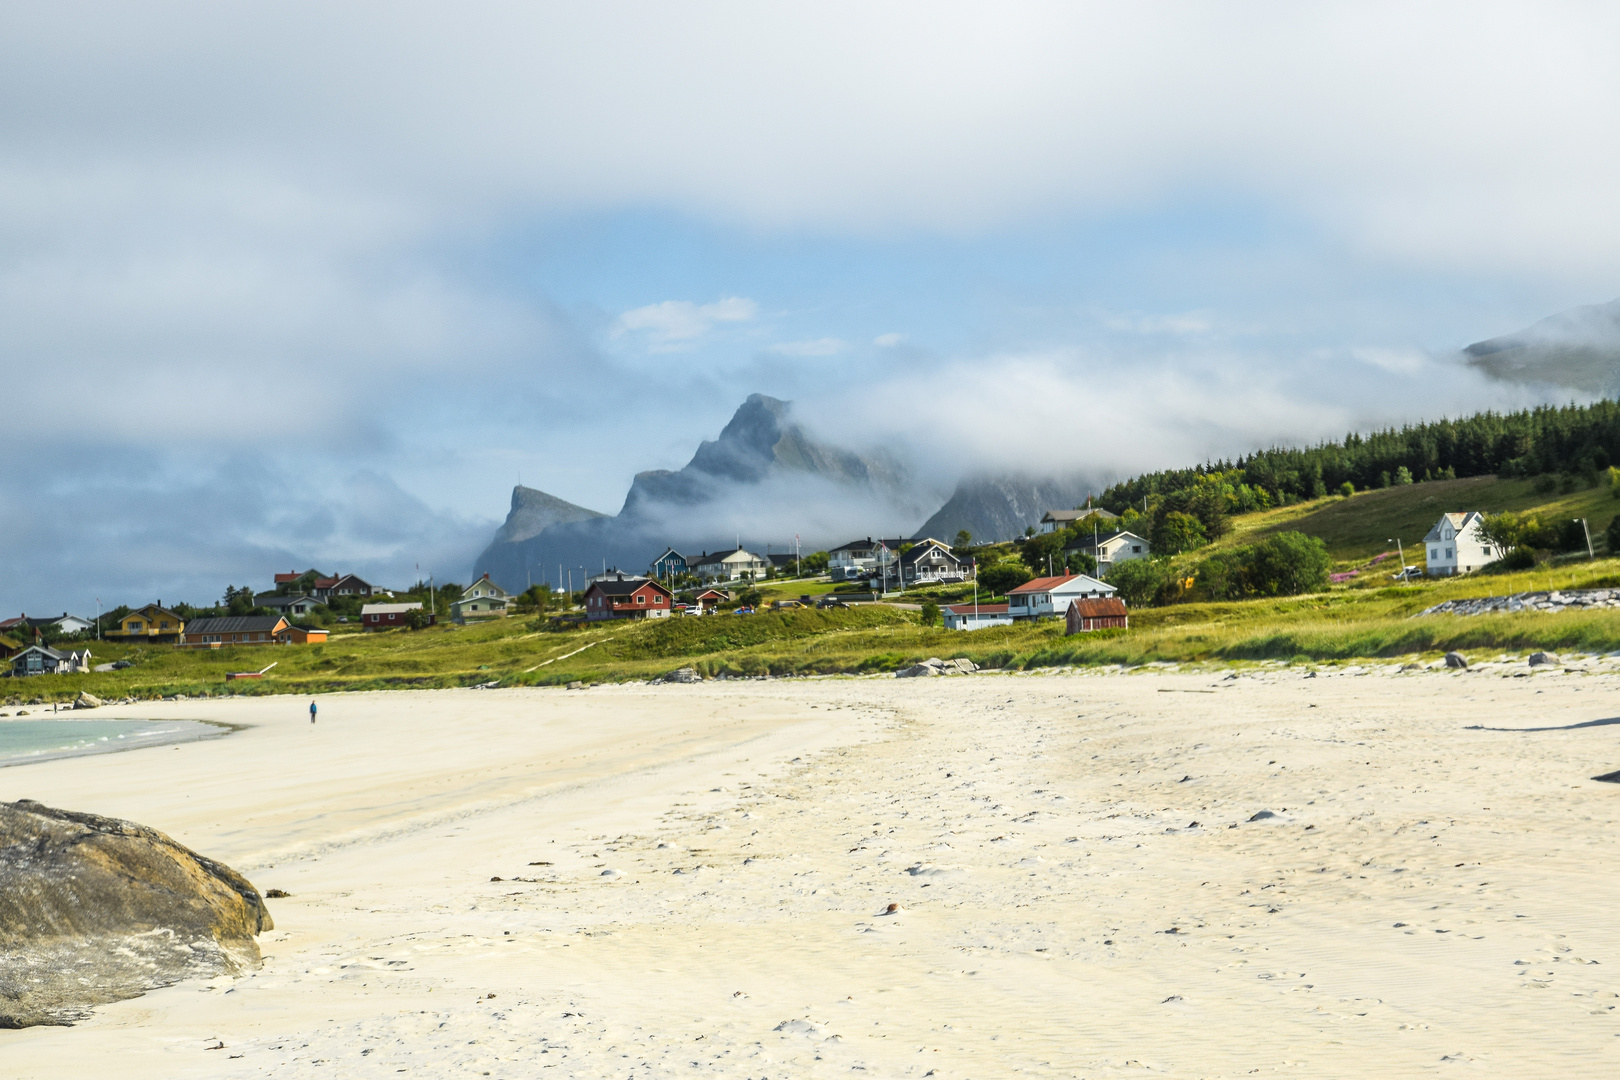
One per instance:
(1067,571)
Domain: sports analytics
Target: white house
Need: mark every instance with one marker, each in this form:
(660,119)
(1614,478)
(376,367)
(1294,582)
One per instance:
(483,599)
(734,564)
(849,561)
(1113,548)
(975,616)
(1056,520)
(1455,545)
(1049,597)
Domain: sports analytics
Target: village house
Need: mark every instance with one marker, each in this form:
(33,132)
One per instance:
(667,565)
(234,630)
(856,559)
(710,599)
(1058,520)
(287,605)
(1049,597)
(324,588)
(153,624)
(733,564)
(9,647)
(65,623)
(41,660)
(784,563)
(302,635)
(1106,613)
(1111,549)
(1455,545)
(628,598)
(481,600)
(387,616)
(930,561)
(975,616)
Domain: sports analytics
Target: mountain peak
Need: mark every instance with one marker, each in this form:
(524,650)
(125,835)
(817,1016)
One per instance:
(534,510)
(1578,348)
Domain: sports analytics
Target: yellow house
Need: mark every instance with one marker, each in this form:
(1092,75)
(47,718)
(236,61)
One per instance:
(153,623)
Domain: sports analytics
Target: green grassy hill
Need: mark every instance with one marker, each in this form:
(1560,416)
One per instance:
(1359,527)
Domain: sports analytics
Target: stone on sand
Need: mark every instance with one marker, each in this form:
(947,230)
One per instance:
(1537,659)
(86,700)
(1456,660)
(95,909)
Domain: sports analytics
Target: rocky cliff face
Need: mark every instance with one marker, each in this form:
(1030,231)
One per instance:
(534,511)
(1578,348)
(764,471)
(1001,507)
(94,909)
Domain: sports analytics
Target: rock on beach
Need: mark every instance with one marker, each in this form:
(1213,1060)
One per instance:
(95,909)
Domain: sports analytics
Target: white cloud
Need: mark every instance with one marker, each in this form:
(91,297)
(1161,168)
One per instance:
(676,324)
(888,341)
(827,346)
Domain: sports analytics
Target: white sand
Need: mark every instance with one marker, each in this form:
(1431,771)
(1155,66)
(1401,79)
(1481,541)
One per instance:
(1059,916)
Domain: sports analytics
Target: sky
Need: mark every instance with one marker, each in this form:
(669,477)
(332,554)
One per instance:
(294,284)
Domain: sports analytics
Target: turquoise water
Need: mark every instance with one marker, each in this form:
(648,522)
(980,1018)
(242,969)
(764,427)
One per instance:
(26,740)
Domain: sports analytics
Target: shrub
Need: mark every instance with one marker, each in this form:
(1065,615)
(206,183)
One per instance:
(930,613)
(1611,536)
(1287,564)
(1140,581)
(1003,576)
(1347,489)
(1403,476)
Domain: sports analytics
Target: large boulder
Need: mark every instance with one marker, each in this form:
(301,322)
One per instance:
(1456,660)
(1539,659)
(94,909)
(86,700)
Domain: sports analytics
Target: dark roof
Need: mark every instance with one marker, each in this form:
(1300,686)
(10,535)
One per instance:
(923,547)
(783,560)
(43,651)
(856,544)
(667,552)
(234,624)
(273,601)
(1100,608)
(626,586)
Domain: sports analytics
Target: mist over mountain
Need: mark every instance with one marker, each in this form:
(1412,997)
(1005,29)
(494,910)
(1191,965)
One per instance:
(1001,507)
(763,480)
(1578,349)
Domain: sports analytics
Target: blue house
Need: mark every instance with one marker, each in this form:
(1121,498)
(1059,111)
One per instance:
(667,565)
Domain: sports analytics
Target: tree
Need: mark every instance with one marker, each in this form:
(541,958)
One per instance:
(965,538)
(419,619)
(1003,576)
(1140,581)
(1220,577)
(1347,489)
(930,613)
(1178,532)
(1287,564)
(814,563)
(1508,530)
(750,598)
(1403,476)
(1612,535)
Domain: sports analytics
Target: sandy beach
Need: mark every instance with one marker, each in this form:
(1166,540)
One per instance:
(1178,874)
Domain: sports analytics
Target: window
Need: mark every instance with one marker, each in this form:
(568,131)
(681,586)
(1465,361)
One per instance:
(641,599)
(1448,553)
(1136,549)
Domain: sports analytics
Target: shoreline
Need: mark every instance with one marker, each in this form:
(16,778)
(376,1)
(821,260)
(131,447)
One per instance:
(192,733)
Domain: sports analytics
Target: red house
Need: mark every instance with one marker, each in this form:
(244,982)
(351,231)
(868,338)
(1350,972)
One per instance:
(1103,613)
(627,598)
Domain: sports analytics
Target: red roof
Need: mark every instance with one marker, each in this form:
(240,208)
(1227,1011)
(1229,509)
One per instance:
(1099,609)
(982,609)
(1044,584)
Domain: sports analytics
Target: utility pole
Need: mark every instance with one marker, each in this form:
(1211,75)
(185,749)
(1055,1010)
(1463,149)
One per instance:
(1588,533)
(1402,551)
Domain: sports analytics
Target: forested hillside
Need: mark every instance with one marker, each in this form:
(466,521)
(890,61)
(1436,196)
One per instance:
(1579,441)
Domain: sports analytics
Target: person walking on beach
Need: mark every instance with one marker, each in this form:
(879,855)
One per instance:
(312,712)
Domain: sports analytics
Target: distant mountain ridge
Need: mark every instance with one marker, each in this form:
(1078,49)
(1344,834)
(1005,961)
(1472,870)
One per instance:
(1001,507)
(1578,348)
(761,462)
(534,511)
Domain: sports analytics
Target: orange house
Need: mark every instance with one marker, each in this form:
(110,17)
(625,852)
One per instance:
(234,630)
